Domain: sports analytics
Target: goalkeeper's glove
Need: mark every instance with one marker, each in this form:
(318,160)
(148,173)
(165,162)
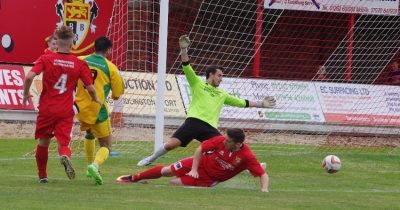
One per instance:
(184,43)
(268,102)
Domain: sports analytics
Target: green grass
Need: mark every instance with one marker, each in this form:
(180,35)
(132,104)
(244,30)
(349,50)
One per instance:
(368,180)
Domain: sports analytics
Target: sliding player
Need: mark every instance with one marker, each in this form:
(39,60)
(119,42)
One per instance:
(215,160)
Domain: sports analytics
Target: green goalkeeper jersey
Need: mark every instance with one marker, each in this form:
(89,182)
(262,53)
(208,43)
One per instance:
(207,100)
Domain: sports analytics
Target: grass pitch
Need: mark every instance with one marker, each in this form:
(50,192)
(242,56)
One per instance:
(367,180)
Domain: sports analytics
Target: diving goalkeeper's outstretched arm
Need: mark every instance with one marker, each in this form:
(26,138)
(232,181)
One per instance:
(184,43)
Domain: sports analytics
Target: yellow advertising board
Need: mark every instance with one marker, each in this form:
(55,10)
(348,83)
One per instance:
(36,87)
(140,95)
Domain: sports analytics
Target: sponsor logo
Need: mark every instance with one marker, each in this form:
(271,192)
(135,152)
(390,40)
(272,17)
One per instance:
(63,63)
(224,165)
(178,165)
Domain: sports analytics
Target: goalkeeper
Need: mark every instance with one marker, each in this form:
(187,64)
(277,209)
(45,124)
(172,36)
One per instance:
(204,109)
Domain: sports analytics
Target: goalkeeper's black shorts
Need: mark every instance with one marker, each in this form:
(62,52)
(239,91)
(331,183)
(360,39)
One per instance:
(194,128)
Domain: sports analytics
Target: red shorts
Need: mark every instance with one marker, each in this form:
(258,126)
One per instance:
(48,126)
(182,167)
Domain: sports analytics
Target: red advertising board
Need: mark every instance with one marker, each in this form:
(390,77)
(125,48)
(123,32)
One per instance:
(25,25)
(12,88)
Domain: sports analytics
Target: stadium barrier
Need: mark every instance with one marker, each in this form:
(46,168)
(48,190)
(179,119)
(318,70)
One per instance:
(302,106)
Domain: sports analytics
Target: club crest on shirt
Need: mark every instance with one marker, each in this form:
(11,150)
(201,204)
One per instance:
(80,16)
(237,159)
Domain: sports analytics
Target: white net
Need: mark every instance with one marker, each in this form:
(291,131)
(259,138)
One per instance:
(276,51)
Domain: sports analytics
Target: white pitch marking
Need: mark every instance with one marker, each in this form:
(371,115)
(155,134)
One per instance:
(343,191)
(32,176)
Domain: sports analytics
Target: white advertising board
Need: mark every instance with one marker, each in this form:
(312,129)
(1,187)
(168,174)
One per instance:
(296,101)
(378,7)
(359,104)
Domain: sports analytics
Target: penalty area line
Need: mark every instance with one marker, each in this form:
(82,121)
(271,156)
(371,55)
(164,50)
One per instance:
(33,158)
(340,191)
(35,177)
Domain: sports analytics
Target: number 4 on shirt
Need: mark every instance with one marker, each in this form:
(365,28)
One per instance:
(61,84)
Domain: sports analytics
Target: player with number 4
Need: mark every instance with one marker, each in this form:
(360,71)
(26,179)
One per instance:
(61,72)
(204,109)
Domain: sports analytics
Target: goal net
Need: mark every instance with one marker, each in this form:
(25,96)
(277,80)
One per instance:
(330,65)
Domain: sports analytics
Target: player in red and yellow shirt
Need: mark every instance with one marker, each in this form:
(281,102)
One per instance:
(61,72)
(215,160)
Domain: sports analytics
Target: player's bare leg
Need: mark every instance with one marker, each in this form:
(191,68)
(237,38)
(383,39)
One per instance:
(171,144)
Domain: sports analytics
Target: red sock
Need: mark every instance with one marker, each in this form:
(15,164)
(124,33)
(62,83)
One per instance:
(152,173)
(64,150)
(42,155)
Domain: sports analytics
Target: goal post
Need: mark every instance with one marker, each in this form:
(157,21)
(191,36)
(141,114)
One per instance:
(161,69)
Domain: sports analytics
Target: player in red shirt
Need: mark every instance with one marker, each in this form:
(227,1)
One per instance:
(61,72)
(51,44)
(215,160)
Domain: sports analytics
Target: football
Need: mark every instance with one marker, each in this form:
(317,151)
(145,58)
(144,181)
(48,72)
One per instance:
(331,164)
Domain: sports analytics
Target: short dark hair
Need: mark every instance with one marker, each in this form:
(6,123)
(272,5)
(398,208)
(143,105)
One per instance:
(102,44)
(212,69)
(236,134)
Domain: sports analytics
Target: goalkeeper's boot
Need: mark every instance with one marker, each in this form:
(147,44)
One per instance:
(43,180)
(69,170)
(125,179)
(145,161)
(93,172)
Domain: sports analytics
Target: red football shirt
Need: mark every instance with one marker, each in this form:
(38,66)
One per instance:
(47,51)
(61,72)
(222,164)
